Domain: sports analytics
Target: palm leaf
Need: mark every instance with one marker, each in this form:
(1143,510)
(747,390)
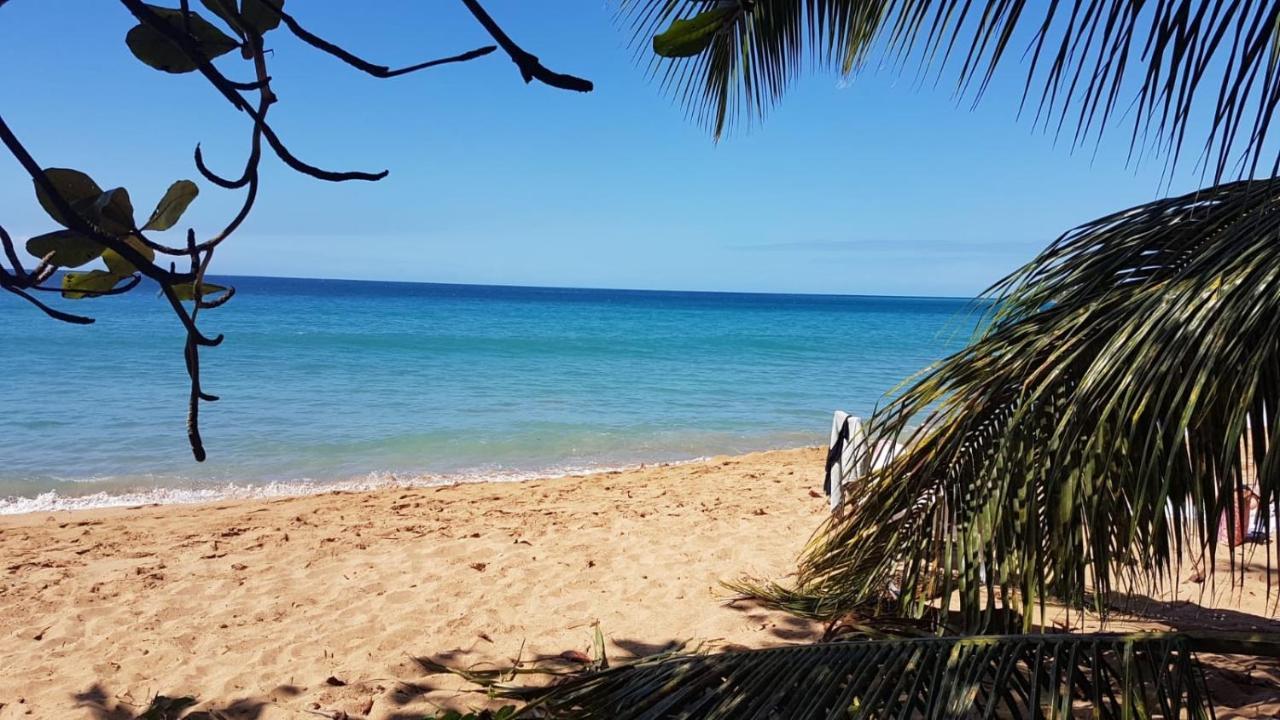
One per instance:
(1169,64)
(748,66)
(1011,676)
(1092,435)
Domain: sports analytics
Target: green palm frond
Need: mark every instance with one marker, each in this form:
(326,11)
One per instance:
(1096,431)
(746,67)
(1011,676)
(1088,60)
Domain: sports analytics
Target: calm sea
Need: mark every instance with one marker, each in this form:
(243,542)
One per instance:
(329,383)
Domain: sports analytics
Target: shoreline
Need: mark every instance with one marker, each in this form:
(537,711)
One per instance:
(52,501)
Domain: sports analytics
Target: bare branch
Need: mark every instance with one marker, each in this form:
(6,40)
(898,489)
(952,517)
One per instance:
(55,314)
(11,253)
(192,354)
(217,179)
(292,161)
(219,302)
(530,67)
(130,284)
(378,71)
(250,86)
(250,175)
(45,269)
(187,322)
(228,90)
(382,71)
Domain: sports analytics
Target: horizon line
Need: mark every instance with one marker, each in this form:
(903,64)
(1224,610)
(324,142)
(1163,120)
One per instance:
(602,289)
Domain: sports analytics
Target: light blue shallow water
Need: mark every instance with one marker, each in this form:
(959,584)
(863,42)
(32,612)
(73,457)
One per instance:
(328,382)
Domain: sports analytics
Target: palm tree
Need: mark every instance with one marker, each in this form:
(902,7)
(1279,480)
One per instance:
(1094,433)
(1096,429)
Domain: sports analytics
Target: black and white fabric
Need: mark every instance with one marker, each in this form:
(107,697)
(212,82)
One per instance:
(849,457)
(846,456)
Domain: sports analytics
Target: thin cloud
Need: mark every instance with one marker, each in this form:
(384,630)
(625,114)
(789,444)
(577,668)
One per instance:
(892,246)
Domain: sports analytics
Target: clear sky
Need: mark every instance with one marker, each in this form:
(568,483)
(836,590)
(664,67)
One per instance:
(874,186)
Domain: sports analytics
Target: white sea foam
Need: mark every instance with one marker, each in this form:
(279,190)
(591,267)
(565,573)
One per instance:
(53,501)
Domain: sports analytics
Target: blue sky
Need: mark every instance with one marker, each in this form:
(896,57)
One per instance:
(870,186)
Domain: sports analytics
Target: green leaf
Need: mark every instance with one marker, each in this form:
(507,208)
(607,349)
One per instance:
(686,38)
(170,208)
(258,16)
(225,9)
(116,262)
(253,16)
(79,285)
(112,212)
(75,187)
(185,291)
(154,48)
(69,248)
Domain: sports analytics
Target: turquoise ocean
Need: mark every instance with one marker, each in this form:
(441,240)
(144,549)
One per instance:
(330,384)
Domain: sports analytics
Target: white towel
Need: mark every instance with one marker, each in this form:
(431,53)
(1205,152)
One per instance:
(846,455)
(849,458)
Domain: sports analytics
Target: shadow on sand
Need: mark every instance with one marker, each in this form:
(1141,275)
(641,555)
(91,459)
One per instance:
(100,705)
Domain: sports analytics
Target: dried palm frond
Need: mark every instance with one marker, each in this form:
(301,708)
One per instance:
(1012,676)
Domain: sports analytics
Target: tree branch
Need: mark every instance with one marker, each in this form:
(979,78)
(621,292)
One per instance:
(55,314)
(355,61)
(127,251)
(217,179)
(130,284)
(228,90)
(530,67)
(11,252)
(173,283)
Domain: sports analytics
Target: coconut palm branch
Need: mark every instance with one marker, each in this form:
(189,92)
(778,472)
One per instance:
(1090,61)
(1010,676)
(1097,430)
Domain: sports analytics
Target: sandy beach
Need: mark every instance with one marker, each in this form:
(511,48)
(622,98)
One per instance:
(260,603)
(282,608)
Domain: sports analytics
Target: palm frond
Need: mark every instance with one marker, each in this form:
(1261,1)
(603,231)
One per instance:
(1096,431)
(747,67)
(1012,676)
(1088,61)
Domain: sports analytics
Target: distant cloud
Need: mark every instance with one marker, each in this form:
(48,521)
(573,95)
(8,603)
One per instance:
(880,246)
(820,245)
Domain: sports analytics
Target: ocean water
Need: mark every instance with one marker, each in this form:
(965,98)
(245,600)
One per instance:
(329,383)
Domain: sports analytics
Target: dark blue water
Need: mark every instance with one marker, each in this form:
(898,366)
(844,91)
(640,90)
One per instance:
(326,381)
